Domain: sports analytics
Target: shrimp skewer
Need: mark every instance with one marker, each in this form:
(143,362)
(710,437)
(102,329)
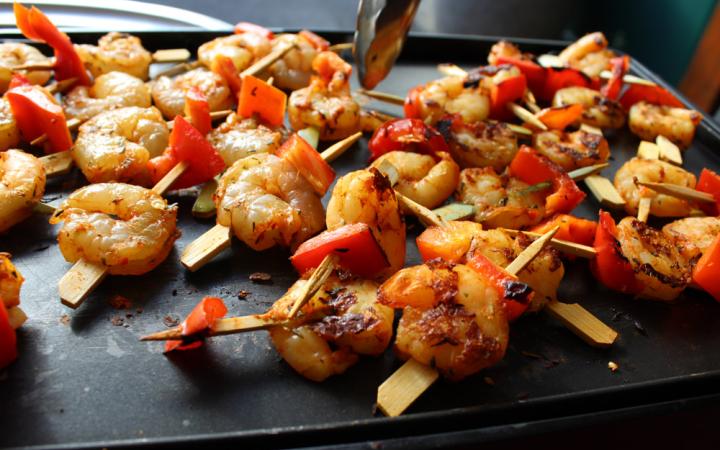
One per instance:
(210,244)
(402,388)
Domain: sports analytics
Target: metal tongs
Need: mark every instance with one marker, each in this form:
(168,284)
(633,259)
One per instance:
(382,26)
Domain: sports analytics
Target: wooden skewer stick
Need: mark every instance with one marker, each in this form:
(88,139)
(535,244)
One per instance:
(604,191)
(203,249)
(171,55)
(314,283)
(337,48)
(61,86)
(221,327)
(178,69)
(84,276)
(582,323)
(267,60)
(644,208)
(527,116)
(681,192)
(409,382)
(529,99)
(426,216)
(160,56)
(57,163)
(568,247)
(242,324)
(72,124)
(382,96)
(629,79)
(668,150)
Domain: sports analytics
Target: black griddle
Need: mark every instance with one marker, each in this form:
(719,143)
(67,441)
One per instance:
(84,380)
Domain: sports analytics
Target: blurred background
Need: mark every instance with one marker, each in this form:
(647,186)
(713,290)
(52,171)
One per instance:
(678,39)
(662,34)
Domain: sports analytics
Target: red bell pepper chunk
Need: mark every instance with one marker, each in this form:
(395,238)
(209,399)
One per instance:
(573,229)
(620,65)
(8,338)
(709,182)
(412,107)
(197,109)
(308,162)
(534,73)
(36,26)
(354,244)
(406,135)
(609,265)
(187,144)
(258,97)
(515,294)
(559,78)
(560,117)
(247,27)
(36,113)
(225,67)
(531,167)
(651,94)
(201,319)
(507,90)
(313,39)
(707,270)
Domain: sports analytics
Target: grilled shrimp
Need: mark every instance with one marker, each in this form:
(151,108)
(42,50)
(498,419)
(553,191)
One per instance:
(588,54)
(169,93)
(479,144)
(543,274)
(10,282)
(267,202)
(326,103)
(109,91)
(655,258)
(500,200)
(453,318)
(649,121)
(9,131)
(450,95)
(421,177)
(504,49)
(572,150)
(237,138)
(116,145)
(598,111)
(366,196)
(293,71)
(653,170)
(128,229)
(459,240)
(340,322)
(243,49)
(693,235)
(22,184)
(116,52)
(16,54)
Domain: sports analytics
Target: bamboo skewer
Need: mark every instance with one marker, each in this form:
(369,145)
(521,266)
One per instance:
(203,249)
(84,276)
(382,96)
(314,283)
(668,150)
(525,115)
(160,56)
(409,382)
(568,247)
(243,324)
(61,162)
(337,48)
(681,192)
(644,209)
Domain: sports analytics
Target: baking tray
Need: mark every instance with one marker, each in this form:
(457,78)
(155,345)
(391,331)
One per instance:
(84,379)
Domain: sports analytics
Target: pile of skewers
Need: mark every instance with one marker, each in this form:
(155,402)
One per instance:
(492,256)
